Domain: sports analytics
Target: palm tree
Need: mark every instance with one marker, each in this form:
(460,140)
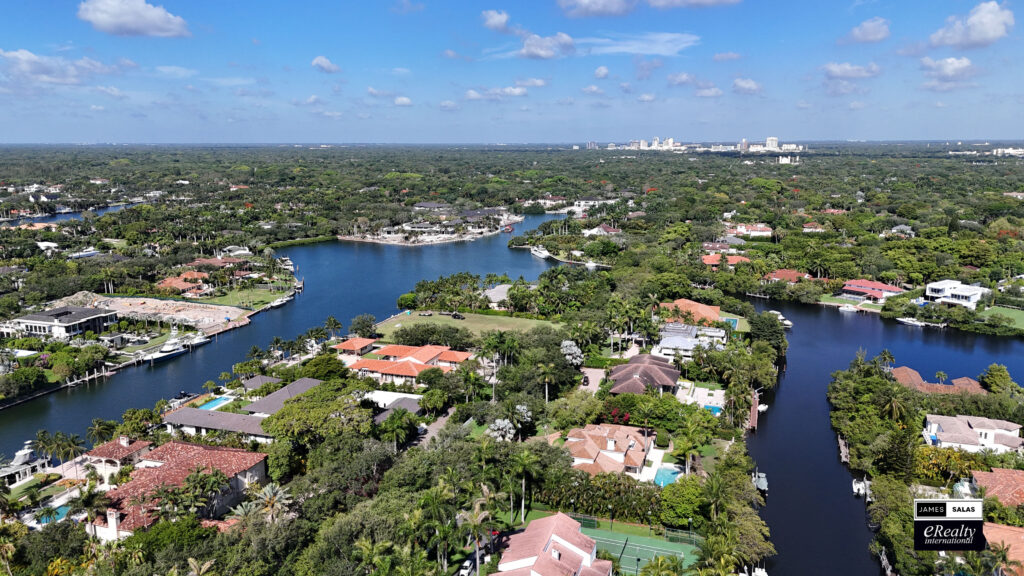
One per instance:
(644,410)
(46,514)
(526,465)
(73,446)
(246,511)
(894,406)
(886,357)
(476,523)
(715,493)
(274,500)
(333,325)
(195,568)
(999,556)
(941,377)
(396,427)
(7,550)
(44,444)
(547,376)
(370,553)
(93,502)
(663,566)
(100,431)
(412,562)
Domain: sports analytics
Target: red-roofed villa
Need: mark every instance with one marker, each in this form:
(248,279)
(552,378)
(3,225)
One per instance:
(552,546)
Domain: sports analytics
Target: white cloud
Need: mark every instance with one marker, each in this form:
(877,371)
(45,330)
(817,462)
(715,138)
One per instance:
(323,64)
(592,89)
(947,73)
(176,71)
(96,108)
(313,99)
(449,53)
(30,68)
(871,30)
(547,47)
(400,71)
(710,91)
(473,95)
(987,22)
(803,104)
(838,87)
(689,3)
(601,72)
(378,93)
(448,105)
(509,91)
(646,44)
(532,82)
(646,98)
(626,87)
(407,7)
(726,56)
(745,86)
(329,114)
(495,20)
(403,101)
(584,8)
(680,79)
(644,68)
(111,91)
(847,71)
(231,81)
(132,18)
(857,105)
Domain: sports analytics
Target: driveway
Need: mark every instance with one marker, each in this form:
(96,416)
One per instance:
(434,427)
(594,377)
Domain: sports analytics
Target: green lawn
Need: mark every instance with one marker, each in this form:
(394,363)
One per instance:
(870,306)
(476,323)
(1016,315)
(708,385)
(45,492)
(741,323)
(251,298)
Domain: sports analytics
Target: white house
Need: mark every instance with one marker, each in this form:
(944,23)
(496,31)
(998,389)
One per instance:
(955,293)
(587,202)
(682,339)
(63,323)
(755,230)
(602,230)
(972,433)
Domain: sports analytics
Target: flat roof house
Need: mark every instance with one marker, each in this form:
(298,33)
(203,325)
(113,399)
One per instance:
(63,323)
(955,293)
(972,433)
(271,403)
(198,422)
(682,339)
(552,546)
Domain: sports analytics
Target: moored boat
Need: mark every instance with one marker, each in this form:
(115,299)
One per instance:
(540,252)
(173,347)
(912,322)
(847,308)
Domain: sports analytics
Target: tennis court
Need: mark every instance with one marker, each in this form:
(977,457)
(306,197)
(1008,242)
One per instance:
(629,549)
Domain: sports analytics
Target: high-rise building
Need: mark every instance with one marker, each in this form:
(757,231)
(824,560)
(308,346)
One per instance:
(643,144)
(771,143)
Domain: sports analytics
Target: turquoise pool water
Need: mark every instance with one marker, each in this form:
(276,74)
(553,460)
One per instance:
(62,511)
(732,322)
(215,403)
(716,410)
(665,476)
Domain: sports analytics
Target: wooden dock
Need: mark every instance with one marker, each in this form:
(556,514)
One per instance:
(844,451)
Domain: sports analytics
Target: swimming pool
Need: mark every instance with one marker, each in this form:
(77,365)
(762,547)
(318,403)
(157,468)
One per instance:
(732,322)
(716,410)
(62,511)
(215,403)
(665,476)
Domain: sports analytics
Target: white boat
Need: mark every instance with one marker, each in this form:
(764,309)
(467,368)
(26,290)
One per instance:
(912,322)
(540,252)
(173,347)
(787,324)
(847,308)
(278,303)
(859,488)
(199,339)
(762,408)
(591,265)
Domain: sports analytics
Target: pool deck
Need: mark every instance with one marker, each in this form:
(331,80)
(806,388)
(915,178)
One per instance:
(656,456)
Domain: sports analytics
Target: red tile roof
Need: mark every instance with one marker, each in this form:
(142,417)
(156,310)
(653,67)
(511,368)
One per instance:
(404,368)
(699,311)
(716,259)
(1003,484)
(788,275)
(176,461)
(1010,536)
(354,344)
(114,450)
(535,542)
(912,379)
(871,285)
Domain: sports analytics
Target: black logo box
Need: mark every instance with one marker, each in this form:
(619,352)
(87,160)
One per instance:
(949,535)
(931,509)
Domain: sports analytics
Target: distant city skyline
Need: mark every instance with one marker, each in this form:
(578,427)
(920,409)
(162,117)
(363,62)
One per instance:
(558,71)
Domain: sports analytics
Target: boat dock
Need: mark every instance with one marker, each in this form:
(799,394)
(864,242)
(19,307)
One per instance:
(844,451)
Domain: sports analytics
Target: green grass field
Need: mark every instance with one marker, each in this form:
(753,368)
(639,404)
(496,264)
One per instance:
(833,300)
(475,323)
(1016,315)
(45,492)
(741,323)
(251,298)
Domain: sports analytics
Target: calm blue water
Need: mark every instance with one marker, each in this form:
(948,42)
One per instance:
(665,476)
(818,527)
(68,215)
(342,279)
(215,403)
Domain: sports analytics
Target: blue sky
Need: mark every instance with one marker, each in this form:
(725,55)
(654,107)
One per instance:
(422,71)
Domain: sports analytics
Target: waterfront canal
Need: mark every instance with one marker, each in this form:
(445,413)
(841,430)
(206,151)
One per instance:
(342,279)
(818,527)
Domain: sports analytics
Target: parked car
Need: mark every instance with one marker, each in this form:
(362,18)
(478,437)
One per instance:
(426,313)
(458,316)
